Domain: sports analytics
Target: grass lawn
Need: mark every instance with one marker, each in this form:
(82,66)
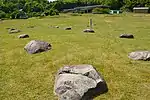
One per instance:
(31,77)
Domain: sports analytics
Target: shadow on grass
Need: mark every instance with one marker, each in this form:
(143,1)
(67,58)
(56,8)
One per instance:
(101,88)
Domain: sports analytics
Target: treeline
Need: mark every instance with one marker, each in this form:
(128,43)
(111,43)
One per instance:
(16,9)
(114,4)
(33,8)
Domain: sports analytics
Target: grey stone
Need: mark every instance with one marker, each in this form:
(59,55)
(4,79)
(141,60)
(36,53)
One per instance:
(23,36)
(79,82)
(89,31)
(68,28)
(37,46)
(126,36)
(13,30)
(56,26)
(140,55)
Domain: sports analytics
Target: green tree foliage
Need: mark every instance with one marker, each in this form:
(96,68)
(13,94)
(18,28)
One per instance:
(26,8)
(2,14)
(114,4)
(33,8)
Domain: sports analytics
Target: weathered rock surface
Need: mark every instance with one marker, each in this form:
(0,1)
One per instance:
(37,46)
(89,31)
(68,28)
(23,36)
(12,30)
(80,82)
(140,55)
(126,36)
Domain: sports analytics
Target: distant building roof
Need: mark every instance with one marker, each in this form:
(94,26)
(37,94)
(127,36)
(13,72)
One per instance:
(140,8)
(86,8)
(94,6)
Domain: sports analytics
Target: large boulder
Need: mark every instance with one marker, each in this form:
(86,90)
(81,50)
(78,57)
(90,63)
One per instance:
(23,36)
(79,82)
(140,55)
(13,30)
(89,31)
(37,46)
(126,36)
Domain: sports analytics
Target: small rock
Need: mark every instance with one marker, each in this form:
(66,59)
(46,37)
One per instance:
(140,55)
(37,46)
(126,36)
(89,31)
(56,26)
(23,36)
(68,28)
(79,82)
(12,30)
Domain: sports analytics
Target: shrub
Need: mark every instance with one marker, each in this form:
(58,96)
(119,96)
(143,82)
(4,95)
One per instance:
(2,14)
(12,15)
(51,12)
(46,13)
(54,12)
(75,14)
(101,11)
(81,12)
(18,15)
(35,14)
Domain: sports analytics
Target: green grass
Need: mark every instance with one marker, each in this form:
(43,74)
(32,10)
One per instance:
(31,77)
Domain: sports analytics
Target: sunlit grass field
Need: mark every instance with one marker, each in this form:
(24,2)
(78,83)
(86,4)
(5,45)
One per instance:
(31,77)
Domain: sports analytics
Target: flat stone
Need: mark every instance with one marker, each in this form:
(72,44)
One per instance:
(13,30)
(140,55)
(89,31)
(23,36)
(67,28)
(56,26)
(126,36)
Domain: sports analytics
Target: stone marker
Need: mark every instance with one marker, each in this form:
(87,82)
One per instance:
(126,36)
(12,30)
(68,28)
(140,55)
(79,82)
(23,36)
(89,31)
(37,46)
